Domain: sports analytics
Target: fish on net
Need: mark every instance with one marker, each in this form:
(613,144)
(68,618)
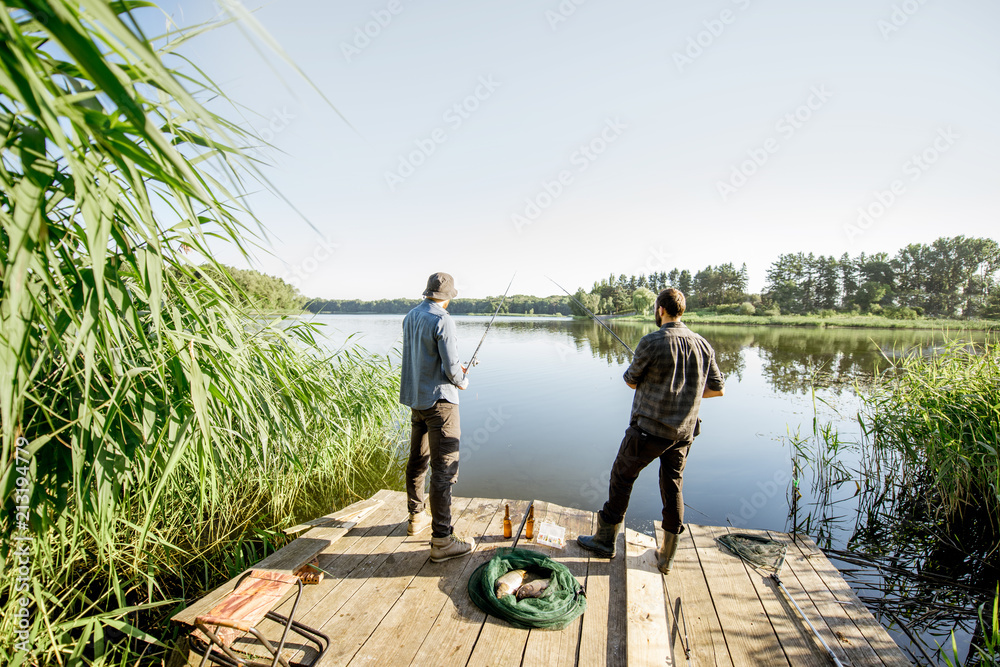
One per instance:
(563,600)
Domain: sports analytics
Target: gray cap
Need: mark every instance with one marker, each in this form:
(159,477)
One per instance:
(440,286)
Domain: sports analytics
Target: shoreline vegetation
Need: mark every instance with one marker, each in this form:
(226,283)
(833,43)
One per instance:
(925,475)
(840,320)
(158,431)
(830,322)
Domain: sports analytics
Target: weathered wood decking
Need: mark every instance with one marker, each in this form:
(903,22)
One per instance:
(383,602)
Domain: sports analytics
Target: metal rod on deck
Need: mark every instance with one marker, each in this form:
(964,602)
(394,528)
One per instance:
(829,651)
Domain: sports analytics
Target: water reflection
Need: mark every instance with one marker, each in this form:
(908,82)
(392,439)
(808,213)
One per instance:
(795,359)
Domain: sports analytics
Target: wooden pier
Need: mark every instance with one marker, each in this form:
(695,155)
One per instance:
(383,602)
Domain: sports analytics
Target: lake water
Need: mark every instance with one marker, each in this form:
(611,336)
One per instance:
(546,409)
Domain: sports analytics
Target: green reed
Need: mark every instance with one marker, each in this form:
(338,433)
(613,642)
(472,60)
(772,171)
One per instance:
(170,432)
(941,413)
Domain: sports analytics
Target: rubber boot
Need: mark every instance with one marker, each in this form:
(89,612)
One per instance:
(603,541)
(665,554)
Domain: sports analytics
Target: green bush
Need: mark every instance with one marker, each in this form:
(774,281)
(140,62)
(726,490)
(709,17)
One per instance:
(827,312)
(747,308)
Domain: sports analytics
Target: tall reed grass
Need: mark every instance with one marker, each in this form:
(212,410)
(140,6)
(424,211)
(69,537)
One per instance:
(941,413)
(170,433)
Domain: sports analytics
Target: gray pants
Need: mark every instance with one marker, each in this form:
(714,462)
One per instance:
(434,438)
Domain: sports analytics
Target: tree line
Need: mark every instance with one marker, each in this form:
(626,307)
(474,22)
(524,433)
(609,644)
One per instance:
(955,276)
(515,304)
(951,277)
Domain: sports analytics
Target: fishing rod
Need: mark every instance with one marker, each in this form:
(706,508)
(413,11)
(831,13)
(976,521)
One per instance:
(596,319)
(679,611)
(473,361)
(520,529)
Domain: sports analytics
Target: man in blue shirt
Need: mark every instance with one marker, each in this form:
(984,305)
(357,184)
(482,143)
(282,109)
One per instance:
(432,376)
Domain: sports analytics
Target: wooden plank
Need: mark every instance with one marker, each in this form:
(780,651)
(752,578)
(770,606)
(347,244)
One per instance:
(617,652)
(353,623)
(352,513)
(594,635)
(797,641)
(686,584)
(550,647)
(498,643)
(648,636)
(280,560)
(398,637)
(452,637)
(338,561)
(855,627)
(749,636)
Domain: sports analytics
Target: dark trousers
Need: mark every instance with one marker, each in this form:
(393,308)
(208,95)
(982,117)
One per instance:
(434,437)
(637,451)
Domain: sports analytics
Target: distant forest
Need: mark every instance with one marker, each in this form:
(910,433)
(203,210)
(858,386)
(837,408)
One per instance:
(951,277)
(517,303)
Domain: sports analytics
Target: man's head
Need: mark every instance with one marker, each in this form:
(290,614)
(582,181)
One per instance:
(440,287)
(672,303)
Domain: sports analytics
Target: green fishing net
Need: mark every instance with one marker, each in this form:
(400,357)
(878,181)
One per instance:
(759,551)
(562,602)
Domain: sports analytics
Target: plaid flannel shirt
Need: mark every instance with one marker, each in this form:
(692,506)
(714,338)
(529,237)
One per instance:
(671,368)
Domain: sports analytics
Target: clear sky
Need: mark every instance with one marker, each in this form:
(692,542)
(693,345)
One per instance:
(580,138)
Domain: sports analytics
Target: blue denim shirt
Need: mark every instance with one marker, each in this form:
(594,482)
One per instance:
(431,368)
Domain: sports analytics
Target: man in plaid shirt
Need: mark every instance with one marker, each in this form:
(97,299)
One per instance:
(672,370)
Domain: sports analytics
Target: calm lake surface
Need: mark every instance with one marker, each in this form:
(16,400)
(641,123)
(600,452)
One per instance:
(546,410)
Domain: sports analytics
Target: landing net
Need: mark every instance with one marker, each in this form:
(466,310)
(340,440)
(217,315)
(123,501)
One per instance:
(760,551)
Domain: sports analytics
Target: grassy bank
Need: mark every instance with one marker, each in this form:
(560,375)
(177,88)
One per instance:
(834,321)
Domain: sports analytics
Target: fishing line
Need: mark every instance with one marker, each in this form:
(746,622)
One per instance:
(596,319)
(473,361)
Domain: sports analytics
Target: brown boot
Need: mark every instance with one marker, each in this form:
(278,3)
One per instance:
(418,523)
(665,554)
(453,546)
